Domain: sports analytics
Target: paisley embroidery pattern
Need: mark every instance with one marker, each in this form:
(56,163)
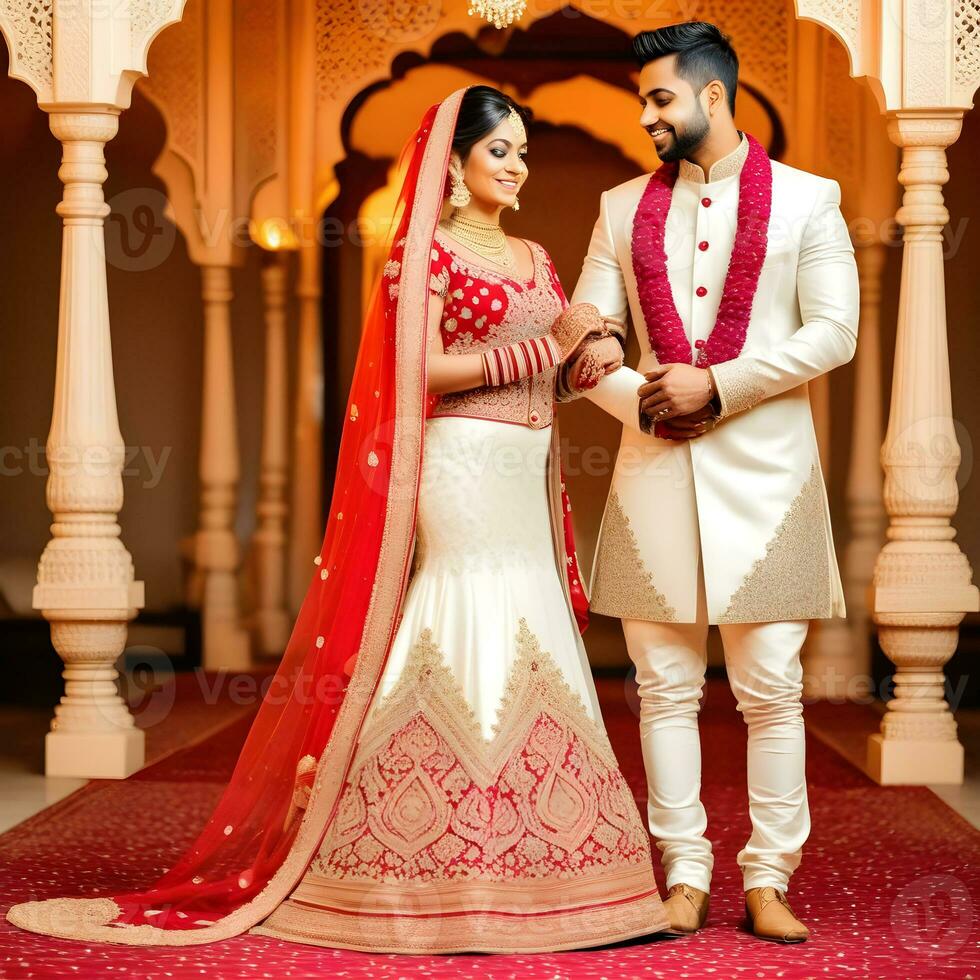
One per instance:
(430,798)
(460,822)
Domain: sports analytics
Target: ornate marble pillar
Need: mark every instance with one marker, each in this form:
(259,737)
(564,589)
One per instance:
(827,655)
(271,619)
(86,587)
(922,581)
(306,513)
(225,642)
(866,513)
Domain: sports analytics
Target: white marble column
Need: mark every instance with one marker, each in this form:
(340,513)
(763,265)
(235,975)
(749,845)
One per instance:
(271,619)
(922,580)
(866,512)
(85,582)
(828,654)
(225,641)
(306,514)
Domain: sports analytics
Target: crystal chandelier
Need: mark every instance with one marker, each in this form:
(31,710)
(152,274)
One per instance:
(500,13)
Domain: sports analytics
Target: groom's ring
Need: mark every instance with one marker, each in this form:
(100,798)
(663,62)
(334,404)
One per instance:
(663,413)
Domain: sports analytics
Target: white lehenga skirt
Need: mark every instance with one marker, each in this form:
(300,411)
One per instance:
(484,809)
(485,560)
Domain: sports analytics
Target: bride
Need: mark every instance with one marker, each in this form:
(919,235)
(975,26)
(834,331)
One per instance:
(429,771)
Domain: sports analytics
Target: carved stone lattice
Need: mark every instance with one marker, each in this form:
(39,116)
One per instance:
(257,39)
(841,16)
(761,34)
(841,126)
(145,17)
(29,35)
(176,82)
(357,37)
(966,36)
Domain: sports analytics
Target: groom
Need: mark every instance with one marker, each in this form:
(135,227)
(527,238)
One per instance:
(739,277)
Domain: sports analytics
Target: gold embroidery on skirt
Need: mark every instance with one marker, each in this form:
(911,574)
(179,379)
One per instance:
(622,585)
(792,579)
(440,825)
(429,797)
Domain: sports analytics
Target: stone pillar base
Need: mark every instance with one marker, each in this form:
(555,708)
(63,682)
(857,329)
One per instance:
(272,629)
(94,755)
(226,646)
(903,762)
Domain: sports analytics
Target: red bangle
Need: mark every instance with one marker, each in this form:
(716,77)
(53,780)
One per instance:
(512,362)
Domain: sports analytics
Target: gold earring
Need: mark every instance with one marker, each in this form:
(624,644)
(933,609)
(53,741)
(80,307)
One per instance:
(460,195)
(516,205)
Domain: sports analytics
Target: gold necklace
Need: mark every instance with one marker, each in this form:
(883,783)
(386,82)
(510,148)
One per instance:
(484,237)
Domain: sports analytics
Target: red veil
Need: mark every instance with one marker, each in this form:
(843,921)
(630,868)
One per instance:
(283,792)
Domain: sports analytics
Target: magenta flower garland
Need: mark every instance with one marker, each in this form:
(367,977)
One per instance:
(664,326)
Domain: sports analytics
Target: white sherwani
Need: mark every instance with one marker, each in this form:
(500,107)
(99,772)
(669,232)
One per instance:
(749,493)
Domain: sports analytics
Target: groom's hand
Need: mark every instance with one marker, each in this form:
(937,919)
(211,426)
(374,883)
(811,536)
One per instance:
(687,426)
(673,390)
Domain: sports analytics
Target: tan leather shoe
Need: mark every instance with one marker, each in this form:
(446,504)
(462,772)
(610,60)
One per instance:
(772,918)
(686,908)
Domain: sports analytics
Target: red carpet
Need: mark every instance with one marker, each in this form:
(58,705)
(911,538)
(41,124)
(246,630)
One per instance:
(890,883)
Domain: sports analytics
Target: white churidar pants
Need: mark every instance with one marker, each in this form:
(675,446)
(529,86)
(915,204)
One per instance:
(764,670)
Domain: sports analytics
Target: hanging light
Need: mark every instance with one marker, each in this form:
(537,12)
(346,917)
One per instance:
(500,13)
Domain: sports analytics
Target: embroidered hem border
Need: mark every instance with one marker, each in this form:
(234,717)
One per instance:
(477,931)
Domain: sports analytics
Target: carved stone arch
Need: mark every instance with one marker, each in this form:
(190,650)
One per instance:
(355,52)
(554,100)
(929,56)
(26,28)
(174,86)
(177,85)
(148,20)
(842,18)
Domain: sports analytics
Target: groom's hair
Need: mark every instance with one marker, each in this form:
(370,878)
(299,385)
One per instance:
(703,54)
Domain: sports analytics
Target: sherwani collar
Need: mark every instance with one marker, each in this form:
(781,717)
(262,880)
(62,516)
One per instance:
(728,166)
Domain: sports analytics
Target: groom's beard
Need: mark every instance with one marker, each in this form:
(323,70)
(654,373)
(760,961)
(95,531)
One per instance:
(685,143)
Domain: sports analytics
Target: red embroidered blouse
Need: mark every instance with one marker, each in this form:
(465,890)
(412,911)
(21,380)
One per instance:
(486,308)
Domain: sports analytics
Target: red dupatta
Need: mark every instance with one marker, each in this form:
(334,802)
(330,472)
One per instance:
(283,792)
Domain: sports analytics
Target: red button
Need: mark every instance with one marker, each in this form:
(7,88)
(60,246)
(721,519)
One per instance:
(706,201)
(703,246)
(701,291)
(699,343)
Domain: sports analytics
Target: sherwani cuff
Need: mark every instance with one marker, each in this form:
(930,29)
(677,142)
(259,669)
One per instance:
(618,394)
(736,385)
